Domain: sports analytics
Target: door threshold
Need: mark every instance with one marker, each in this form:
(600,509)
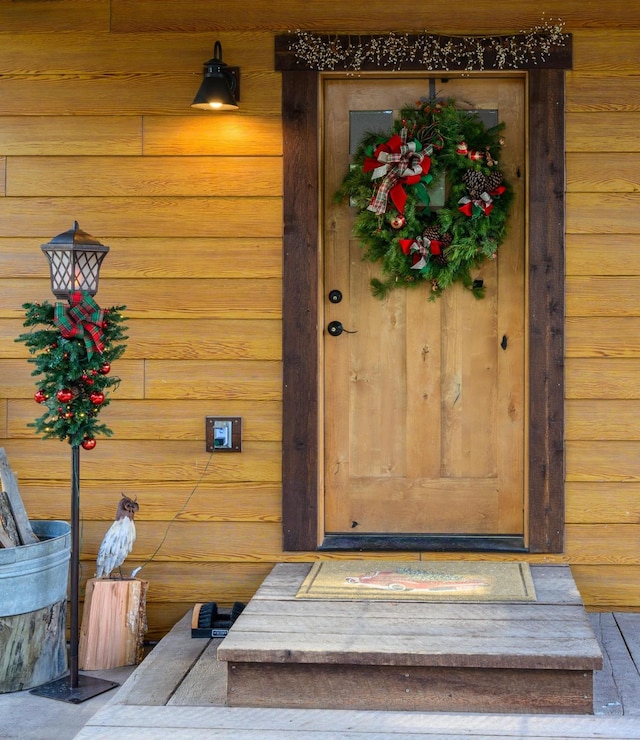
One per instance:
(428,543)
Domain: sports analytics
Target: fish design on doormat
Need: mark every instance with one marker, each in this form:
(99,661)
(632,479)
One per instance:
(394,580)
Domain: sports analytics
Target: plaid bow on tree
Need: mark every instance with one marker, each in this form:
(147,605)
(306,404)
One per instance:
(81,318)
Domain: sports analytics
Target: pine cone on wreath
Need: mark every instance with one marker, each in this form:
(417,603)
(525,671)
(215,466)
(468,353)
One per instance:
(475,181)
(440,259)
(433,234)
(494,179)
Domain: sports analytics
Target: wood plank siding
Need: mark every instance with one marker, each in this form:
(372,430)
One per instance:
(95,126)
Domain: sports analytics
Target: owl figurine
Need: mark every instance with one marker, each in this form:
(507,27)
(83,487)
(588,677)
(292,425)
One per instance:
(118,540)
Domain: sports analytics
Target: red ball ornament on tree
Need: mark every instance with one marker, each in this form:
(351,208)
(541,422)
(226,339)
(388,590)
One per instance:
(88,443)
(87,380)
(96,398)
(105,369)
(40,396)
(64,396)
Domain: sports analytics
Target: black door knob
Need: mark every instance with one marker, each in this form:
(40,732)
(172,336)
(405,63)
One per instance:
(335,328)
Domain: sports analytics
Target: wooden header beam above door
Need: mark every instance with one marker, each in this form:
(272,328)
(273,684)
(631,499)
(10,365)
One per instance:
(557,57)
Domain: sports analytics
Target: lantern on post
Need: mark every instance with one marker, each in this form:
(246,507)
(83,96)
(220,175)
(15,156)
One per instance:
(74,258)
(74,262)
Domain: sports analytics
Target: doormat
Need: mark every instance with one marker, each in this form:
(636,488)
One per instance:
(363,580)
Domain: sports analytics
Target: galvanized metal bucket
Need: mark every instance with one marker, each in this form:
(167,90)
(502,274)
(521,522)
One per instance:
(33,599)
(35,576)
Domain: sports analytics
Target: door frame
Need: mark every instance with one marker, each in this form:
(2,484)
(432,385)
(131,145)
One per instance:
(301,433)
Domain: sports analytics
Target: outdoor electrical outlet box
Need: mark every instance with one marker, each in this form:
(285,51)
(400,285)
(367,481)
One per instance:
(223,433)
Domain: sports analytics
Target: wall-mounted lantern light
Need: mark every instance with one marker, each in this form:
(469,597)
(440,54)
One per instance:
(74,262)
(220,88)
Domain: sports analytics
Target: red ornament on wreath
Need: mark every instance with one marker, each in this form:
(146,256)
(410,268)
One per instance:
(397,222)
(87,380)
(96,398)
(64,395)
(88,443)
(105,369)
(40,396)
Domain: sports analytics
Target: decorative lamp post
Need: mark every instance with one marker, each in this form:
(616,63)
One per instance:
(74,258)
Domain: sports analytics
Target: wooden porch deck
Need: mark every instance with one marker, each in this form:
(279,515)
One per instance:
(181,688)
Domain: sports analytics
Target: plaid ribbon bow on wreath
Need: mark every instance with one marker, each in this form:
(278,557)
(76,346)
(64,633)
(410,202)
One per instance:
(399,163)
(81,318)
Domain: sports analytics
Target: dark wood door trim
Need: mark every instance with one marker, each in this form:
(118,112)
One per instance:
(546,309)
(300,472)
(300,312)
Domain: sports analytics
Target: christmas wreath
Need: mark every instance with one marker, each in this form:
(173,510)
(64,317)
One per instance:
(391,183)
(73,351)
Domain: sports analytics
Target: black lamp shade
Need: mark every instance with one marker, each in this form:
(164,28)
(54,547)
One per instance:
(220,85)
(74,261)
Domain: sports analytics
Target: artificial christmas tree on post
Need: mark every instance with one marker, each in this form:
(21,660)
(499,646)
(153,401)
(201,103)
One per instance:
(73,358)
(73,352)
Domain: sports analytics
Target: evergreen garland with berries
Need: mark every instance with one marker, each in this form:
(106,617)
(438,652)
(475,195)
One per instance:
(75,368)
(391,182)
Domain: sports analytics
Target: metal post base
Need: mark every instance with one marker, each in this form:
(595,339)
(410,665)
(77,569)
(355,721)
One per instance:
(62,690)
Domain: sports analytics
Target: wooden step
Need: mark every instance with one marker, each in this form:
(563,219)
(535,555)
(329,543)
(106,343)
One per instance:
(535,657)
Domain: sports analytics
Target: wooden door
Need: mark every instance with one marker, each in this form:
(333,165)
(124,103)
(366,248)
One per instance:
(424,404)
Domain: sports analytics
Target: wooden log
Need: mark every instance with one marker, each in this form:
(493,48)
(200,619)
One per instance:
(10,487)
(32,648)
(113,623)
(8,531)
(5,539)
